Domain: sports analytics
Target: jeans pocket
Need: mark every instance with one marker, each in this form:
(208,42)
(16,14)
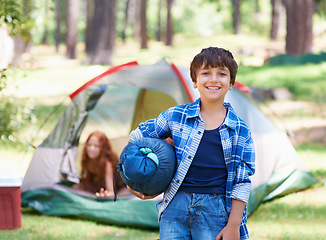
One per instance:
(222,204)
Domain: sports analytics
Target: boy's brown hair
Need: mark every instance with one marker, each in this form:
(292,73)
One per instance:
(214,57)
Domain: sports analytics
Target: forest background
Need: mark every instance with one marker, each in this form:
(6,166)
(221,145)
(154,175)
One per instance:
(52,47)
(97,32)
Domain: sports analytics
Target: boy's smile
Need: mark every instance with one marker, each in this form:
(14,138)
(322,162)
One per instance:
(213,83)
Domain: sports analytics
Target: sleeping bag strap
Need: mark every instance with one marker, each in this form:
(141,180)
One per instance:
(115,176)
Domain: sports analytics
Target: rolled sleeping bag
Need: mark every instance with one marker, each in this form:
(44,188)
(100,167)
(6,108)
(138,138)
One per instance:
(147,165)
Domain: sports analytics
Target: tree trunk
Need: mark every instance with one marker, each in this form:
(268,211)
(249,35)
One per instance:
(275,19)
(89,20)
(137,19)
(236,16)
(169,24)
(45,23)
(126,20)
(58,24)
(143,23)
(158,30)
(257,12)
(72,21)
(299,36)
(103,32)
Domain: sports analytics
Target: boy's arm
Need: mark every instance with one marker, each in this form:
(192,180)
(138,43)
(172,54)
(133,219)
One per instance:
(141,195)
(232,229)
(154,128)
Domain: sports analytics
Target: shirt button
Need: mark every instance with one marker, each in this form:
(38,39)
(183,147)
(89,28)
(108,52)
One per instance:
(199,132)
(177,180)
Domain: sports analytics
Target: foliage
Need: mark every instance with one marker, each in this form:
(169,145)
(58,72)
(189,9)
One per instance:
(321,7)
(12,115)
(12,14)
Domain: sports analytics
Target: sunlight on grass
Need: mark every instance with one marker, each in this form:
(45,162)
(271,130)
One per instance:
(304,81)
(184,48)
(313,156)
(299,215)
(45,227)
(288,229)
(47,82)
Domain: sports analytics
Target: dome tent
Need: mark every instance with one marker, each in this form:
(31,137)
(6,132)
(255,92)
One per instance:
(116,101)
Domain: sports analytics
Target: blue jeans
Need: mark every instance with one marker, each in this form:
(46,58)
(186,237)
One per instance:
(194,216)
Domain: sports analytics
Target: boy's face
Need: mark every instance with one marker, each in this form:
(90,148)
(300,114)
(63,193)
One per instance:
(213,83)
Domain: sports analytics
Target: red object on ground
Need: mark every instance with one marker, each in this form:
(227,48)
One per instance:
(10,207)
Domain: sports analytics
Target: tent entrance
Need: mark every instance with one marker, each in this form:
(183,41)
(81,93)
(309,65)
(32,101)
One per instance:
(150,104)
(120,110)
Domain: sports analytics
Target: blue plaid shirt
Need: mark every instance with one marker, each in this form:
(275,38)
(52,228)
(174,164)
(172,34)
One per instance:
(186,127)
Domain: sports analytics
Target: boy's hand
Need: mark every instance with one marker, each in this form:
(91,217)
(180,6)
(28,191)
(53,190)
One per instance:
(169,140)
(229,233)
(232,229)
(141,195)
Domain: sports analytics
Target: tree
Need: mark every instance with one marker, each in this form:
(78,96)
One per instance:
(101,32)
(275,19)
(299,35)
(89,20)
(14,20)
(236,16)
(58,24)
(158,30)
(136,23)
(72,21)
(169,24)
(143,24)
(126,20)
(46,21)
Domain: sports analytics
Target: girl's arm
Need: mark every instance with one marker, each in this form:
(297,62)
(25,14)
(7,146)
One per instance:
(108,191)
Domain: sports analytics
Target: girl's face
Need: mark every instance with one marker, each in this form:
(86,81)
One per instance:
(93,147)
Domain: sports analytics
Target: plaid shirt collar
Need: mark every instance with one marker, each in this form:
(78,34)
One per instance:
(230,119)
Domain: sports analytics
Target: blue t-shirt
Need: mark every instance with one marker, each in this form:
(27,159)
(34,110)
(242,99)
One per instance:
(207,172)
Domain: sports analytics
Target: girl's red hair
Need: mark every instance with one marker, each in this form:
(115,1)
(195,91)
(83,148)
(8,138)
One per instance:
(106,154)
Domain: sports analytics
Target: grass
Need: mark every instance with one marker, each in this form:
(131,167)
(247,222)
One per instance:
(44,86)
(306,82)
(38,227)
(298,215)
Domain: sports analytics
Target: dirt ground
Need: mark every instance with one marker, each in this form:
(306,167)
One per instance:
(305,122)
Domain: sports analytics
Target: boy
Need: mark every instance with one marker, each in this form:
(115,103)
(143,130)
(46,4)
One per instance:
(209,191)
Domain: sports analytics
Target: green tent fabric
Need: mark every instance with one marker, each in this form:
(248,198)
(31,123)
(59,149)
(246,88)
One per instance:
(60,201)
(116,102)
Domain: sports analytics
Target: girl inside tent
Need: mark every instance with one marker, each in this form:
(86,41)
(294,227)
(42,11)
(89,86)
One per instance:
(98,163)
